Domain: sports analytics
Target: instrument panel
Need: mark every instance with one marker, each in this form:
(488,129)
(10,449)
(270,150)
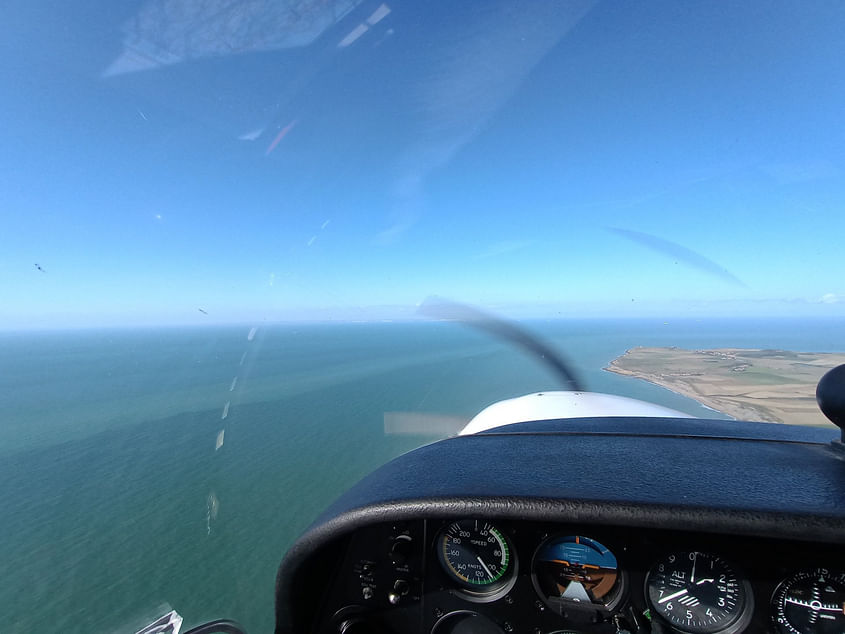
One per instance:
(485,576)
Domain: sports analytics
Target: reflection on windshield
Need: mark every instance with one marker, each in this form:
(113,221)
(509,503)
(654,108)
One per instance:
(167,32)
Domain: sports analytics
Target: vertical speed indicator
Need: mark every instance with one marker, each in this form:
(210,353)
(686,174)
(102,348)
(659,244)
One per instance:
(476,556)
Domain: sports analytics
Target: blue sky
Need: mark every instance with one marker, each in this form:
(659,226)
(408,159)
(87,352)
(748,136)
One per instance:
(347,161)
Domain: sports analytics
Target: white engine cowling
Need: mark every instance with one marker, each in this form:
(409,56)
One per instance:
(553,405)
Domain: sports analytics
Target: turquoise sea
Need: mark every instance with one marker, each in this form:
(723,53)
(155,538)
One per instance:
(117,506)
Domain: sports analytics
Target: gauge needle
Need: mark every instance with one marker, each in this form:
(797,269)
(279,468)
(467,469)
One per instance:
(692,577)
(700,581)
(814,605)
(672,596)
(483,565)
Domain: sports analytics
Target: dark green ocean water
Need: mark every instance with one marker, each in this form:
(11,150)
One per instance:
(115,505)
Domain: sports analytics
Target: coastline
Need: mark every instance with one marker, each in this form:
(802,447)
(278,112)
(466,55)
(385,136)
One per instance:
(765,385)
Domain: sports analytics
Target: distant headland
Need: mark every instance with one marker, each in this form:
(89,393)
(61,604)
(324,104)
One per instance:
(767,385)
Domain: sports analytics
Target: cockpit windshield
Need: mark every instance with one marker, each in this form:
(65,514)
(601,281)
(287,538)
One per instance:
(223,222)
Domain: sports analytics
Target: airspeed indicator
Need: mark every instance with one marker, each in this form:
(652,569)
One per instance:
(476,556)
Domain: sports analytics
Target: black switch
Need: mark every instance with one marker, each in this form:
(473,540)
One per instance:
(400,550)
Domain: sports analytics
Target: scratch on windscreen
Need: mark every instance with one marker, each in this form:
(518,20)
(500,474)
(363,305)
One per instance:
(212,501)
